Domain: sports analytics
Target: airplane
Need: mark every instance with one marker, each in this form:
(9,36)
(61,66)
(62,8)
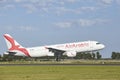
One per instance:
(69,49)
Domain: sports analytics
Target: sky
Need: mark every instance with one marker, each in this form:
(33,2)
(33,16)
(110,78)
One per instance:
(45,22)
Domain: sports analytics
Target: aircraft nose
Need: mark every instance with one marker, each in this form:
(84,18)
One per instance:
(103,46)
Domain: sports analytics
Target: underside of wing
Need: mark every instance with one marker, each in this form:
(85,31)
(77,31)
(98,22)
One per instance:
(56,50)
(58,53)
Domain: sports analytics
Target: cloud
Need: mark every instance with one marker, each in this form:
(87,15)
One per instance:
(49,6)
(57,7)
(62,10)
(71,1)
(85,22)
(91,22)
(80,10)
(38,5)
(1,1)
(63,24)
(30,8)
(10,6)
(18,1)
(26,28)
(54,6)
(5,5)
(81,23)
(107,1)
(90,8)
(20,28)
(9,28)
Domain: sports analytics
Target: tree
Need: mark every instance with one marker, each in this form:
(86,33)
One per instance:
(93,55)
(98,55)
(84,55)
(113,55)
(79,56)
(89,56)
(0,57)
(117,55)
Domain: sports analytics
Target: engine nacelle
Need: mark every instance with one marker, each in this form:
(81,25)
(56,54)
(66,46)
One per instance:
(50,54)
(70,53)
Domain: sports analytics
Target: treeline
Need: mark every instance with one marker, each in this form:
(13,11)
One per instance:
(83,55)
(115,55)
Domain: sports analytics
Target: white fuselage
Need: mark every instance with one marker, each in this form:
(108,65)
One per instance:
(85,46)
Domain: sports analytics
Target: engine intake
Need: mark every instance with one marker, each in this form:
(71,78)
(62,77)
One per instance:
(70,53)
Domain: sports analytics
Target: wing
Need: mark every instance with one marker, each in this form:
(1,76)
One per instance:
(57,52)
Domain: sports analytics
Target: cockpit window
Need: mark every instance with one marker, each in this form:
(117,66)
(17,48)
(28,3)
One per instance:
(97,43)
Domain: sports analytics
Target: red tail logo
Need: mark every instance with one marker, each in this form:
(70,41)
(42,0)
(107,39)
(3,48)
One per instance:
(16,47)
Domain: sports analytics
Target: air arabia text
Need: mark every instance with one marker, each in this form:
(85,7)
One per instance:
(76,45)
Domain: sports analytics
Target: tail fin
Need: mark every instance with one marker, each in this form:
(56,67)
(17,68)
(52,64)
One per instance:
(11,43)
(14,45)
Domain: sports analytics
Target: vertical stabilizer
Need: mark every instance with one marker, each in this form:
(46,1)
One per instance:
(11,43)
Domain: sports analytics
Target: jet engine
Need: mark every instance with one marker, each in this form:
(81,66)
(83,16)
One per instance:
(50,54)
(70,53)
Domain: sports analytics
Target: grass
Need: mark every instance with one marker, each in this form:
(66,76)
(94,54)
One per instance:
(65,62)
(59,72)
